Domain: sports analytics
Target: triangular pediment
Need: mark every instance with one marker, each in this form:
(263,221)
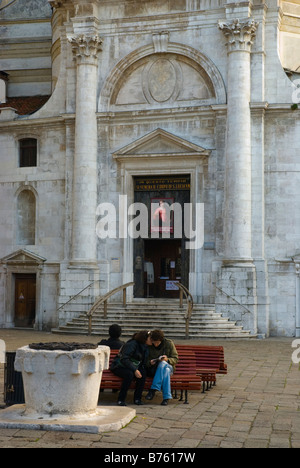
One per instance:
(23,256)
(160,144)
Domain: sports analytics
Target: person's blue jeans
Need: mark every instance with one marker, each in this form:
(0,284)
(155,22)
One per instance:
(162,380)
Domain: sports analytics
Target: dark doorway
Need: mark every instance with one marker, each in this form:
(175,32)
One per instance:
(160,258)
(25,300)
(163,267)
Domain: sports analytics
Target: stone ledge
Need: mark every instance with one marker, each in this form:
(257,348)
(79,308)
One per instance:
(106,419)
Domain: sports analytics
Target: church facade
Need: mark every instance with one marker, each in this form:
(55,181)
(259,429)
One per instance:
(170,103)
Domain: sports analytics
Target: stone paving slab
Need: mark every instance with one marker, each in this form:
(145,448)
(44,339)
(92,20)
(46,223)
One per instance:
(257,405)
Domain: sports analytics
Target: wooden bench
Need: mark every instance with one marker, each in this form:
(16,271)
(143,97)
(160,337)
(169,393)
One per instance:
(185,379)
(209,359)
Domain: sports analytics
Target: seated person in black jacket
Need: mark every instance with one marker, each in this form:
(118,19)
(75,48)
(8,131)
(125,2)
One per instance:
(115,331)
(131,363)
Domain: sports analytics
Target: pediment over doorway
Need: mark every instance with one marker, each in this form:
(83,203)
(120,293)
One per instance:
(160,144)
(23,257)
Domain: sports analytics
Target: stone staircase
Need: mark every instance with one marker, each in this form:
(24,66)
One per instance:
(157,314)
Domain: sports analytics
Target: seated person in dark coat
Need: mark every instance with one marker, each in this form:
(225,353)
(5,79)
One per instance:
(130,364)
(114,342)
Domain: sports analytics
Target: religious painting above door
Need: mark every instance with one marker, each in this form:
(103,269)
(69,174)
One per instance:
(162,217)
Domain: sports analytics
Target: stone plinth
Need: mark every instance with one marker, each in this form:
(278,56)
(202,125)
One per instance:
(62,390)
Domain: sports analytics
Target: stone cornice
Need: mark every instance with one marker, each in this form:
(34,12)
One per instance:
(240,33)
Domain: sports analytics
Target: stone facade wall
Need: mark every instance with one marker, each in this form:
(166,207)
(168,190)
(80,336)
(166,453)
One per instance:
(148,66)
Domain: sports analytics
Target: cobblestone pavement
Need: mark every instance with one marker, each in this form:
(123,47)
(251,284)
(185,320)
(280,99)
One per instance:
(256,405)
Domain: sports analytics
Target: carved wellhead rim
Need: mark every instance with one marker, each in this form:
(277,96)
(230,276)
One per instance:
(53,346)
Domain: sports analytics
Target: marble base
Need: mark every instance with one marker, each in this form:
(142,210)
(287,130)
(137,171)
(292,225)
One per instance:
(105,419)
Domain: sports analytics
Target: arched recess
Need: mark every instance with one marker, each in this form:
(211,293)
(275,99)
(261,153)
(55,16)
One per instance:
(26,217)
(148,65)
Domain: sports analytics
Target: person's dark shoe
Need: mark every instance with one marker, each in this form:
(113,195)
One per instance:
(165,403)
(121,403)
(138,402)
(150,395)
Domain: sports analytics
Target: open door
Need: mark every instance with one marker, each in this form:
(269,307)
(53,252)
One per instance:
(165,256)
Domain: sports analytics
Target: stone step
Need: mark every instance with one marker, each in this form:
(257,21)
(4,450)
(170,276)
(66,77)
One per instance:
(209,334)
(144,323)
(146,316)
(166,315)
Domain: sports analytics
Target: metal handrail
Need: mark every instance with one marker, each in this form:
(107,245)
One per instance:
(233,299)
(190,306)
(103,300)
(78,294)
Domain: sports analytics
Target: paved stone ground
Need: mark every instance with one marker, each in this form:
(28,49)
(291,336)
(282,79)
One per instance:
(256,405)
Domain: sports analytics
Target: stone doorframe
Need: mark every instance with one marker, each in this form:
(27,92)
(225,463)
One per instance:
(178,157)
(21,262)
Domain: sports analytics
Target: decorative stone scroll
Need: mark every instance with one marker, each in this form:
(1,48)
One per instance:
(240,33)
(86,48)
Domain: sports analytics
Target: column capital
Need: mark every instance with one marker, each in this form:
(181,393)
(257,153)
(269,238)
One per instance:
(86,48)
(240,33)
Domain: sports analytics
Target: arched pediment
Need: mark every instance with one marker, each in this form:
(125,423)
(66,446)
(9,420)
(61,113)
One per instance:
(151,78)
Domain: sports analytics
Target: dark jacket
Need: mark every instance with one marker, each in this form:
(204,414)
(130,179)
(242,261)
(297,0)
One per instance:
(131,356)
(113,343)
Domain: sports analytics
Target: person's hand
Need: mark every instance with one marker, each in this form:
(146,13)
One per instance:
(153,362)
(164,358)
(138,374)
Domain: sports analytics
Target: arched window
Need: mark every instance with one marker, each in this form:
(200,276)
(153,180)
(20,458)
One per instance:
(28,152)
(26,214)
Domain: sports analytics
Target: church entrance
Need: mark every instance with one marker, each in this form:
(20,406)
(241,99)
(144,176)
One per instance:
(160,259)
(163,268)
(25,300)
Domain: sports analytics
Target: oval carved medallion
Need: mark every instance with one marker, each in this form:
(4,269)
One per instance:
(162,80)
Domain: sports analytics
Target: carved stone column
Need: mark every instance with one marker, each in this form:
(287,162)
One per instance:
(240,35)
(236,294)
(84,240)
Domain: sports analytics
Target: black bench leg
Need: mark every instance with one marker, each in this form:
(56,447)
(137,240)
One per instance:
(181,396)
(186,402)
